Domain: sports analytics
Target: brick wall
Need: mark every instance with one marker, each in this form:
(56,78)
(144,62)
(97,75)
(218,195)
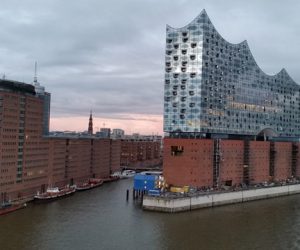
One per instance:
(231,164)
(283,161)
(192,167)
(115,156)
(238,163)
(259,161)
(140,153)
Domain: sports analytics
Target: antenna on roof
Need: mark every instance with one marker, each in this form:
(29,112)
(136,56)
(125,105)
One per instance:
(3,77)
(35,73)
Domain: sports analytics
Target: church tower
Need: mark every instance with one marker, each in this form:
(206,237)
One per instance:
(90,130)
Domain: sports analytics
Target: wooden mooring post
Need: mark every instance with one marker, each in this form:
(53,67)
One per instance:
(127,194)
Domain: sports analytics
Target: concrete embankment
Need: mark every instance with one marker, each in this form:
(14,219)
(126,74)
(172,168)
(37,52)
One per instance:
(187,203)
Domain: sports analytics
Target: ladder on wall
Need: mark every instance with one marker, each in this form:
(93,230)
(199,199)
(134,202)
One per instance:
(216,163)
(246,170)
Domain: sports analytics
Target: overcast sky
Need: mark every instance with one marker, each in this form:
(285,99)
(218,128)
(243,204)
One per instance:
(108,56)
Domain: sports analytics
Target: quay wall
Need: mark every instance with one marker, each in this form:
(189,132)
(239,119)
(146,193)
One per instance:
(178,204)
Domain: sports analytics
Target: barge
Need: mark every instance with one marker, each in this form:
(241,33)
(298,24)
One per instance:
(9,208)
(91,183)
(54,194)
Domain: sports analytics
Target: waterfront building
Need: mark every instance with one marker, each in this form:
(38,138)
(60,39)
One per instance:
(140,154)
(75,159)
(227,122)
(215,87)
(24,152)
(30,160)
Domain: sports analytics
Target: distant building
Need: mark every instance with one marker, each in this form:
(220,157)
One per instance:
(140,154)
(117,133)
(137,136)
(105,132)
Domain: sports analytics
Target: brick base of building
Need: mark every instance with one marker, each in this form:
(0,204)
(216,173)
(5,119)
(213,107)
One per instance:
(212,162)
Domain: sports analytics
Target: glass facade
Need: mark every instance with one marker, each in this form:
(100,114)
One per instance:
(46,112)
(213,86)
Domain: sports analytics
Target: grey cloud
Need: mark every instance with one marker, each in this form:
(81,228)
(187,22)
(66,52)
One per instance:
(109,55)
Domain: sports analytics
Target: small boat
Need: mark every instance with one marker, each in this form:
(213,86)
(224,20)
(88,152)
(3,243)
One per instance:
(91,183)
(116,174)
(128,174)
(111,178)
(149,172)
(54,194)
(8,207)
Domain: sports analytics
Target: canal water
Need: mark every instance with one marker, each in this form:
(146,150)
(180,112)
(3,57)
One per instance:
(102,219)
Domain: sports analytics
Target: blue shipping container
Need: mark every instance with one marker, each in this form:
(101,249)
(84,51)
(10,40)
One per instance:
(145,182)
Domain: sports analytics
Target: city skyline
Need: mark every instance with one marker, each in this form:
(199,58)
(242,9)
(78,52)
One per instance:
(110,58)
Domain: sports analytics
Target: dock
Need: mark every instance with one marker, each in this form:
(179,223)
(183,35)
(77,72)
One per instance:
(188,202)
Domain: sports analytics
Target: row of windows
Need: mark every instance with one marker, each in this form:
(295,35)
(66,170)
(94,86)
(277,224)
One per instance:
(183,63)
(176,45)
(184,34)
(28,162)
(8,163)
(184,58)
(8,143)
(192,75)
(6,183)
(183,52)
(34,178)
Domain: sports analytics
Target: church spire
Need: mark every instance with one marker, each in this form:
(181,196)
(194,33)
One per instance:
(90,130)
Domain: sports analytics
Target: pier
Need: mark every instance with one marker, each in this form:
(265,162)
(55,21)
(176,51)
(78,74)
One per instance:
(197,201)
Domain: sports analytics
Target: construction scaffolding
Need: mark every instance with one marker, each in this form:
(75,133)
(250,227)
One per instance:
(294,159)
(246,170)
(272,159)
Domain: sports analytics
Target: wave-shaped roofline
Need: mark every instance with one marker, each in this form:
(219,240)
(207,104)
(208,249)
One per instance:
(245,42)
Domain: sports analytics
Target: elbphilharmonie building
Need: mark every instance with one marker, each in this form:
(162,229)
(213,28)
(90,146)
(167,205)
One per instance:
(216,87)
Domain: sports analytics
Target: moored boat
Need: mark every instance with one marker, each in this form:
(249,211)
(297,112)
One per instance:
(116,174)
(111,178)
(8,207)
(127,174)
(91,183)
(54,194)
